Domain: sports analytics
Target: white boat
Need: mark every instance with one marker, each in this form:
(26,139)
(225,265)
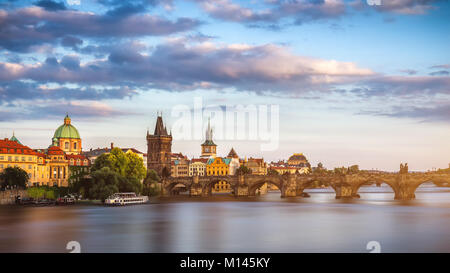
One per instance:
(125,198)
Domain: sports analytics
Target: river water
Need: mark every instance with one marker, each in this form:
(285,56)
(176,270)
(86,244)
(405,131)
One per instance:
(222,223)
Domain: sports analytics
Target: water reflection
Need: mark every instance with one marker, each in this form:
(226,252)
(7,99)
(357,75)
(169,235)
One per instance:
(222,223)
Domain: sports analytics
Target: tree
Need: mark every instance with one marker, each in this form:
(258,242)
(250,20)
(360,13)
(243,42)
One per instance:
(151,187)
(126,164)
(119,161)
(243,170)
(131,184)
(354,169)
(36,192)
(135,167)
(272,172)
(105,182)
(13,177)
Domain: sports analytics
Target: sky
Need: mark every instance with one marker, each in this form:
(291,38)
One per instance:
(354,83)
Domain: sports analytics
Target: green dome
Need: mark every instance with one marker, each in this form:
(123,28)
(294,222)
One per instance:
(66,130)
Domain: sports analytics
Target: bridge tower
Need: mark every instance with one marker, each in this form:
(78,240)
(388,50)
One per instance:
(159,149)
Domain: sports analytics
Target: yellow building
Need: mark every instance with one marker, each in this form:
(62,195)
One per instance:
(197,166)
(217,166)
(14,154)
(297,163)
(46,166)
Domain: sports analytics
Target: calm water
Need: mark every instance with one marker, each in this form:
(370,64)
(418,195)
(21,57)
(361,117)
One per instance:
(225,224)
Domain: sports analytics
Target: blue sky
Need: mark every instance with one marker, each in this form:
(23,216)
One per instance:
(356,84)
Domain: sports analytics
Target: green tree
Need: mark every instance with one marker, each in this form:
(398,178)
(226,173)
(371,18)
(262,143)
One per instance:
(131,184)
(119,161)
(101,162)
(36,192)
(354,169)
(105,182)
(135,167)
(13,176)
(151,186)
(243,170)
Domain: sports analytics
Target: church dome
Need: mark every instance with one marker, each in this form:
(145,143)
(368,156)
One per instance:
(297,158)
(66,130)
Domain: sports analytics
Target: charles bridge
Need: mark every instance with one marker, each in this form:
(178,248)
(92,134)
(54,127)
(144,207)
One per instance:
(403,183)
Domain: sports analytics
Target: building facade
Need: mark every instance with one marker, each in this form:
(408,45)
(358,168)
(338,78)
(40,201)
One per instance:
(179,165)
(159,149)
(50,166)
(197,167)
(256,165)
(297,163)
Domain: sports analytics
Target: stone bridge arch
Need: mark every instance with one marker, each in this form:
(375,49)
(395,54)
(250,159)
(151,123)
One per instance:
(305,182)
(169,186)
(254,185)
(418,181)
(213,180)
(376,180)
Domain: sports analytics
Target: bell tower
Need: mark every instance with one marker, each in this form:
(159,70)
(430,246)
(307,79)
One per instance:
(209,147)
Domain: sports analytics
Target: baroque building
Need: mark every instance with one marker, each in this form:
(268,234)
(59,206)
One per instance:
(297,163)
(67,138)
(47,167)
(159,149)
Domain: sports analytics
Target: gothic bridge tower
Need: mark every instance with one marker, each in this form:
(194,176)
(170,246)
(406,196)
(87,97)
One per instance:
(159,149)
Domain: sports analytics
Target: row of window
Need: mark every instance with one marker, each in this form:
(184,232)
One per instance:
(16,158)
(30,167)
(66,145)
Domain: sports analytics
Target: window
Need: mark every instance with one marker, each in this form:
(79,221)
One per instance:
(23,158)
(75,146)
(66,145)
(1,166)
(30,167)
(2,158)
(30,158)
(16,159)
(9,158)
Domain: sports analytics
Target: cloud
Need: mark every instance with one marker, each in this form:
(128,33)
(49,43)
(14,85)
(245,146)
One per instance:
(440,73)
(178,65)
(409,71)
(272,12)
(300,11)
(439,113)
(51,5)
(23,28)
(441,66)
(403,86)
(25,91)
(411,7)
(54,110)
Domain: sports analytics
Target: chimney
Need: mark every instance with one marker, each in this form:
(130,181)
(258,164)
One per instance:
(112,145)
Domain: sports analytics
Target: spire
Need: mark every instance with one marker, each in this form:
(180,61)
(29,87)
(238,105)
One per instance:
(160,129)
(209,132)
(67,119)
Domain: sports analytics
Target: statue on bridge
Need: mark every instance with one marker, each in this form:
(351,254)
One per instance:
(403,168)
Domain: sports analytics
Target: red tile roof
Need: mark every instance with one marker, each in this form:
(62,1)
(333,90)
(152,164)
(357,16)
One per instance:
(55,150)
(11,147)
